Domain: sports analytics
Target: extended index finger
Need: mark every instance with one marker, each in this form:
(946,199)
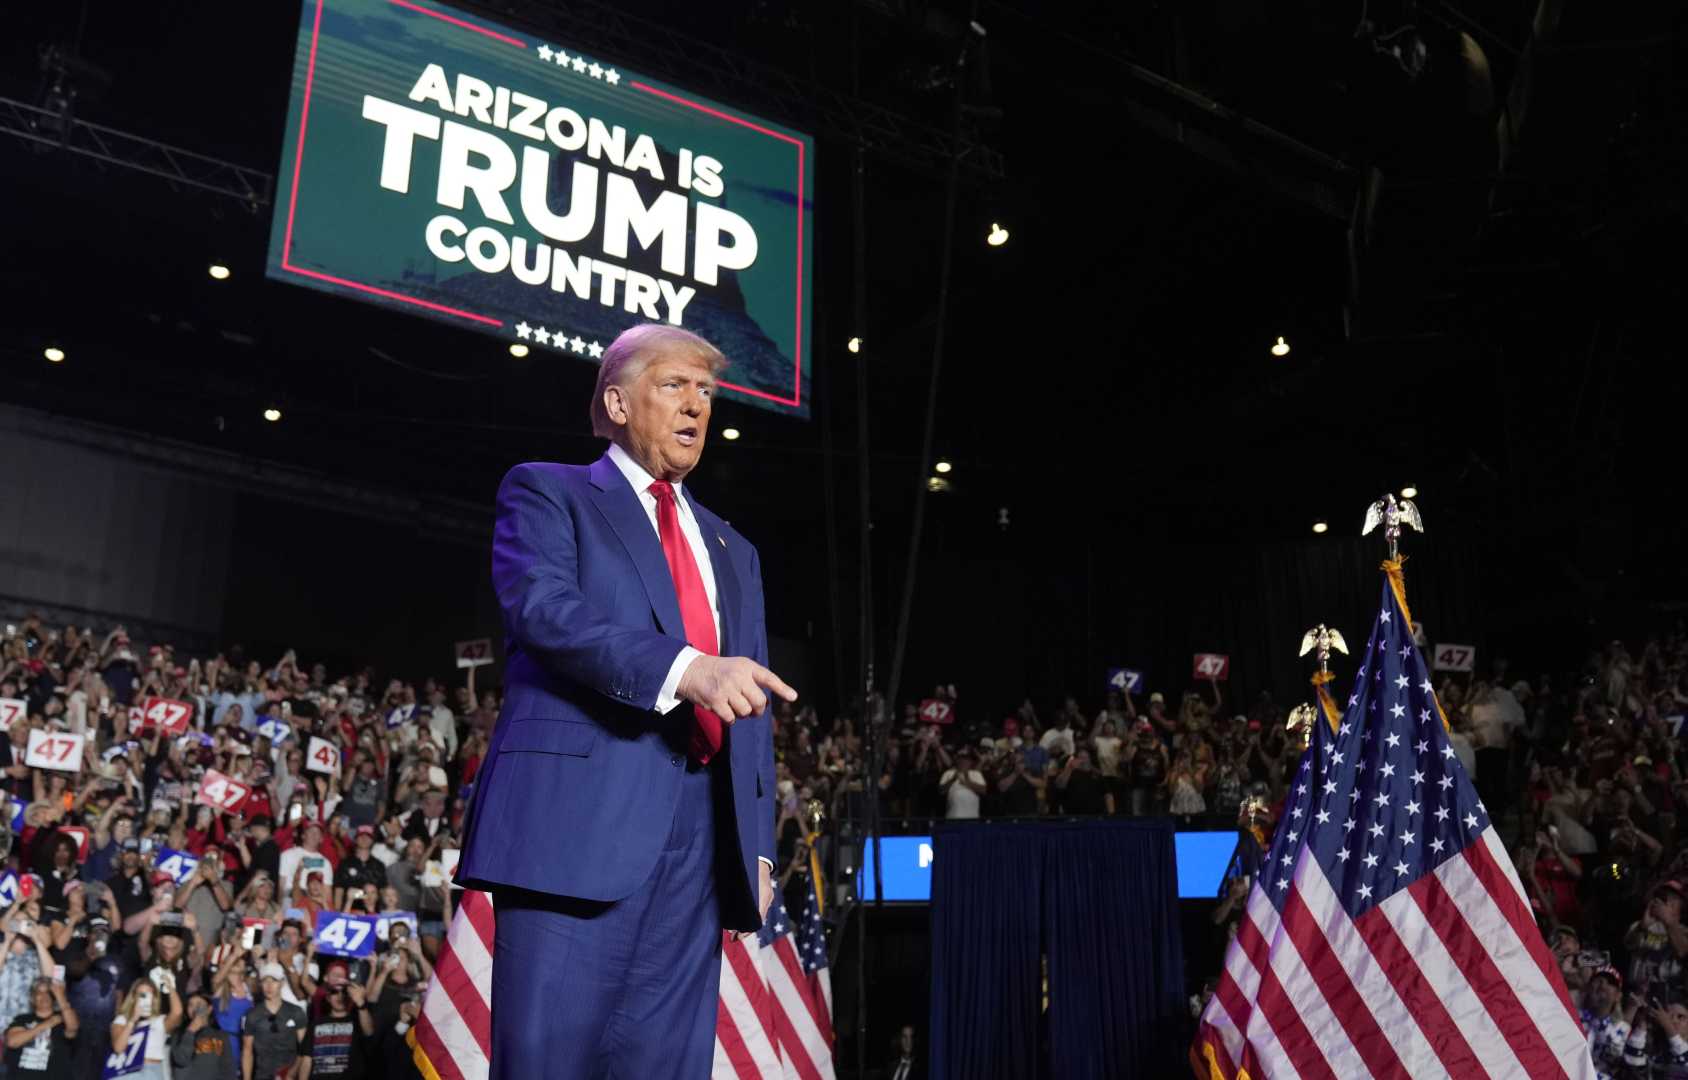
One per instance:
(769,681)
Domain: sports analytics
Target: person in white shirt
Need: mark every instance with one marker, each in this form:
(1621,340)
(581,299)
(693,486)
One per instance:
(1059,738)
(963,785)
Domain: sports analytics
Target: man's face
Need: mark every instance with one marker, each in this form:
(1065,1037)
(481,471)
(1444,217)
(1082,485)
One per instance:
(906,1039)
(1603,995)
(663,414)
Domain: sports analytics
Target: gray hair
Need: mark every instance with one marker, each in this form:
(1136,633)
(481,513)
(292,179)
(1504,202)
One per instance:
(632,351)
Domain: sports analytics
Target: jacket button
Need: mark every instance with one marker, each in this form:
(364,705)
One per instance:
(675,761)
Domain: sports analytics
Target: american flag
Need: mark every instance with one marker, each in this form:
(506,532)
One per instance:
(1387,934)
(775,1016)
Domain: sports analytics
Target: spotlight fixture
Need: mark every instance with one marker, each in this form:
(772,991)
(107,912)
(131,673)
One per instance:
(997,237)
(1281,348)
(854,344)
(219,271)
(53,353)
(1409,492)
(730,434)
(272,414)
(942,466)
(937,484)
(1319,527)
(518,350)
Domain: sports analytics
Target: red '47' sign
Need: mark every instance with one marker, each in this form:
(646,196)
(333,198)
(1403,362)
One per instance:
(169,716)
(54,751)
(11,711)
(1212,666)
(222,792)
(933,711)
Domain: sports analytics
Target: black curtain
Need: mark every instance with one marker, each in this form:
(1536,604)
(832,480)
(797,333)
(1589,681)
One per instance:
(1099,899)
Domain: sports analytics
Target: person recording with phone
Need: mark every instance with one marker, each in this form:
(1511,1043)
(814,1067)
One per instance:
(201,1050)
(149,1012)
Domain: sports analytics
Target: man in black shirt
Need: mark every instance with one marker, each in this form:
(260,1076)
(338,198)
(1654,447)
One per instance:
(129,885)
(358,869)
(1018,788)
(38,1042)
(335,1043)
(1080,786)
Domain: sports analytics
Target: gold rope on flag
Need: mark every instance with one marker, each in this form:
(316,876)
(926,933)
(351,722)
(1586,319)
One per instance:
(1393,570)
(1332,713)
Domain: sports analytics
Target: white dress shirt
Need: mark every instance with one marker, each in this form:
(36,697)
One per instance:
(666,698)
(641,481)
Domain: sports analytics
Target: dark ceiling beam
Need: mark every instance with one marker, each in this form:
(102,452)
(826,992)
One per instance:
(45,128)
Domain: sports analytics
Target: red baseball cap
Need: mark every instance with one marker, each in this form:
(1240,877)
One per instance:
(161,877)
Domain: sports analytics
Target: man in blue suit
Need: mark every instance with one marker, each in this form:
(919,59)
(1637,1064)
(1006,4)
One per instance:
(624,816)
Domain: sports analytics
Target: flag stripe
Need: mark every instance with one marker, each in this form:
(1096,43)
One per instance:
(1507,892)
(1499,940)
(1407,1009)
(1276,1008)
(792,1052)
(432,1058)
(1227,1015)
(1325,966)
(755,989)
(462,993)
(731,1043)
(1492,988)
(785,953)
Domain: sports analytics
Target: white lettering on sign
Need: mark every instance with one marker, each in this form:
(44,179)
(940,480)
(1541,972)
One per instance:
(925,855)
(1455,658)
(1212,666)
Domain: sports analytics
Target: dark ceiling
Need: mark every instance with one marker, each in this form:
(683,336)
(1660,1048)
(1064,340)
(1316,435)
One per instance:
(1489,318)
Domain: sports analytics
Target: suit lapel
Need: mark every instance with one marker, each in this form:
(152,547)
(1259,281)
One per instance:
(621,507)
(726,578)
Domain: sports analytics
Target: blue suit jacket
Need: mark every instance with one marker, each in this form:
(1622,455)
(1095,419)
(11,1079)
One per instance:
(577,792)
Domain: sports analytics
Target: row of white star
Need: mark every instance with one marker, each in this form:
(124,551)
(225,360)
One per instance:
(559,339)
(579,63)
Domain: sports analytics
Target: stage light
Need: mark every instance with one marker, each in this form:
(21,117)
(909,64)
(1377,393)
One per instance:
(997,237)
(1319,527)
(730,433)
(942,466)
(272,414)
(854,344)
(53,353)
(219,271)
(1281,348)
(518,350)
(937,484)
(1409,492)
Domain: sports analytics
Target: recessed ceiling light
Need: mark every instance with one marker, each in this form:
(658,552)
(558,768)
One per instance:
(219,271)
(1281,348)
(854,344)
(1319,527)
(730,433)
(997,237)
(518,350)
(1409,492)
(943,467)
(272,414)
(53,353)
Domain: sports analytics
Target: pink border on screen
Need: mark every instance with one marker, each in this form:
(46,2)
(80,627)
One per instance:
(796,398)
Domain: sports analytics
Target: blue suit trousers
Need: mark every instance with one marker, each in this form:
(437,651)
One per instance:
(627,989)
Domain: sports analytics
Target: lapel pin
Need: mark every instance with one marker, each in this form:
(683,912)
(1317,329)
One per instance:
(721,538)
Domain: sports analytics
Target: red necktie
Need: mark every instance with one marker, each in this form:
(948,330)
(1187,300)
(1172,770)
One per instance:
(694,608)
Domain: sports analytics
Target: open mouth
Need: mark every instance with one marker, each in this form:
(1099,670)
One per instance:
(687,436)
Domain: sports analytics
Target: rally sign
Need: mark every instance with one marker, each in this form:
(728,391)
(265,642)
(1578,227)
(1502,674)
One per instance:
(18,807)
(322,756)
(9,887)
(1455,658)
(275,730)
(131,1059)
(82,837)
(222,792)
(180,865)
(473,653)
(1124,680)
(443,165)
(339,934)
(1212,666)
(11,711)
(384,923)
(400,715)
(936,711)
(55,750)
(167,715)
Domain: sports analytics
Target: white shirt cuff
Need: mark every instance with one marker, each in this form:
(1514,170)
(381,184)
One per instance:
(666,698)
(765,859)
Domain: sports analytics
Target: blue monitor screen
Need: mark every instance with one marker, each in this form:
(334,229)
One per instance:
(1202,858)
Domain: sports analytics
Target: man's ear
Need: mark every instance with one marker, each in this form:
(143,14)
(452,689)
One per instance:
(615,404)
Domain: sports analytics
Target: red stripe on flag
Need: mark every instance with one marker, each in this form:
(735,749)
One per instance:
(1487,981)
(744,968)
(1418,995)
(732,1042)
(787,954)
(1319,957)
(823,1016)
(428,1043)
(466,997)
(1279,1011)
(1500,890)
(477,907)
(791,1048)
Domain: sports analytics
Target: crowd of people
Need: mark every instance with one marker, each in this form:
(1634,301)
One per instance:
(218,868)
